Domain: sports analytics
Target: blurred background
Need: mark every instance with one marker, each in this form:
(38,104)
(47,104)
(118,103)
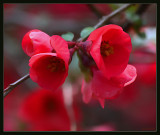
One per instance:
(133,110)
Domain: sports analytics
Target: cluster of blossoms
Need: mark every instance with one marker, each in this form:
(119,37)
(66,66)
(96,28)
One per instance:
(105,54)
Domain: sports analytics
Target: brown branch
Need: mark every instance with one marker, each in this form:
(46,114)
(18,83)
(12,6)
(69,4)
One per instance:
(102,21)
(106,18)
(111,15)
(13,85)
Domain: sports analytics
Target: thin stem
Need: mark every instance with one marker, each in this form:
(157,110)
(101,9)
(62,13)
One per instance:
(13,85)
(106,18)
(102,21)
(71,44)
(111,15)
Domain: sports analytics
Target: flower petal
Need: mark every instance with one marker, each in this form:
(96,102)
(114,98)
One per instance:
(61,47)
(100,31)
(102,87)
(86,91)
(36,41)
(115,63)
(127,77)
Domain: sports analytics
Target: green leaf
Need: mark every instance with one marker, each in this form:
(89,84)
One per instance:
(68,36)
(132,17)
(86,31)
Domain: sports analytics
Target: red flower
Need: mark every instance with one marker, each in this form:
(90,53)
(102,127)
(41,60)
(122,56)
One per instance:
(110,49)
(102,88)
(44,110)
(36,41)
(50,70)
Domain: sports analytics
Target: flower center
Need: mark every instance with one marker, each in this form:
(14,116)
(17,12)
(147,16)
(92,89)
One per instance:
(56,64)
(106,49)
(48,104)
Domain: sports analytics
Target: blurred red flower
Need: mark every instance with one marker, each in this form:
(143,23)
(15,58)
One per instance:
(102,88)
(44,110)
(147,73)
(110,49)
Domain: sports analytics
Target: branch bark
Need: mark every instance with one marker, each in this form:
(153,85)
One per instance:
(13,85)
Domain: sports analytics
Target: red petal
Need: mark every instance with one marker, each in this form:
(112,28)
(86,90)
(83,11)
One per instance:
(36,41)
(127,77)
(102,87)
(100,31)
(115,63)
(95,52)
(86,91)
(61,47)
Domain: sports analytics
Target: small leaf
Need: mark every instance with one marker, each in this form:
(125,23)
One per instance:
(68,36)
(132,17)
(86,31)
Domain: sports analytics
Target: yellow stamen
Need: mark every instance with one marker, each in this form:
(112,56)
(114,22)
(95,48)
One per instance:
(53,69)
(49,66)
(63,68)
(55,64)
